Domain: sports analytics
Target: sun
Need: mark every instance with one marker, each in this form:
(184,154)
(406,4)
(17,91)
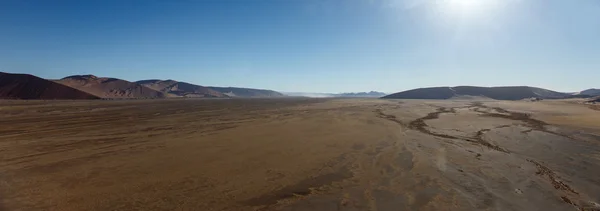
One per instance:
(466,8)
(465,4)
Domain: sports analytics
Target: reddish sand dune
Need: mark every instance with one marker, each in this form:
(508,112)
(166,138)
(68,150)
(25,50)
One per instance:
(109,87)
(247,92)
(23,86)
(181,89)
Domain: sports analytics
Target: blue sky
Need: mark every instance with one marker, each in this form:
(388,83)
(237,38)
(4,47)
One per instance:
(309,45)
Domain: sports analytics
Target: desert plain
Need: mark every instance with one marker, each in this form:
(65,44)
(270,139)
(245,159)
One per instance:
(299,154)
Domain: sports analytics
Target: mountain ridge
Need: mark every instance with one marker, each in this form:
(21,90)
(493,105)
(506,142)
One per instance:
(115,88)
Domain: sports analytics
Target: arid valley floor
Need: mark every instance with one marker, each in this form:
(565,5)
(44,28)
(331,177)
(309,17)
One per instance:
(299,154)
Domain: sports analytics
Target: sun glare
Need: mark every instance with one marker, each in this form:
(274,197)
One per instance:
(466,8)
(465,4)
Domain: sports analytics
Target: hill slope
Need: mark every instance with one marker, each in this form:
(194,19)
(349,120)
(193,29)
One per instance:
(370,94)
(246,92)
(590,92)
(181,89)
(498,93)
(23,86)
(109,87)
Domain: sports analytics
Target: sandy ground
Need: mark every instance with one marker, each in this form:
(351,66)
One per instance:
(299,154)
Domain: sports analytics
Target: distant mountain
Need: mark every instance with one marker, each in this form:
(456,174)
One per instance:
(498,93)
(109,87)
(590,92)
(308,94)
(24,86)
(180,89)
(246,92)
(372,94)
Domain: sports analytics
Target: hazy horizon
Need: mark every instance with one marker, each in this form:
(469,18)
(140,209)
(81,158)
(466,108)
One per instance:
(329,46)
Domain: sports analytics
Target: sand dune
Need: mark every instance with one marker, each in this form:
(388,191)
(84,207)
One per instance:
(180,89)
(591,92)
(109,87)
(246,92)
(498,93)
(23,86)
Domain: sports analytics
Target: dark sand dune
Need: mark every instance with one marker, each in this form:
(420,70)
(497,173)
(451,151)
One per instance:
(498,93)
(591,92)
(424,93)
(181,89)
(109,87)
(24,86)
